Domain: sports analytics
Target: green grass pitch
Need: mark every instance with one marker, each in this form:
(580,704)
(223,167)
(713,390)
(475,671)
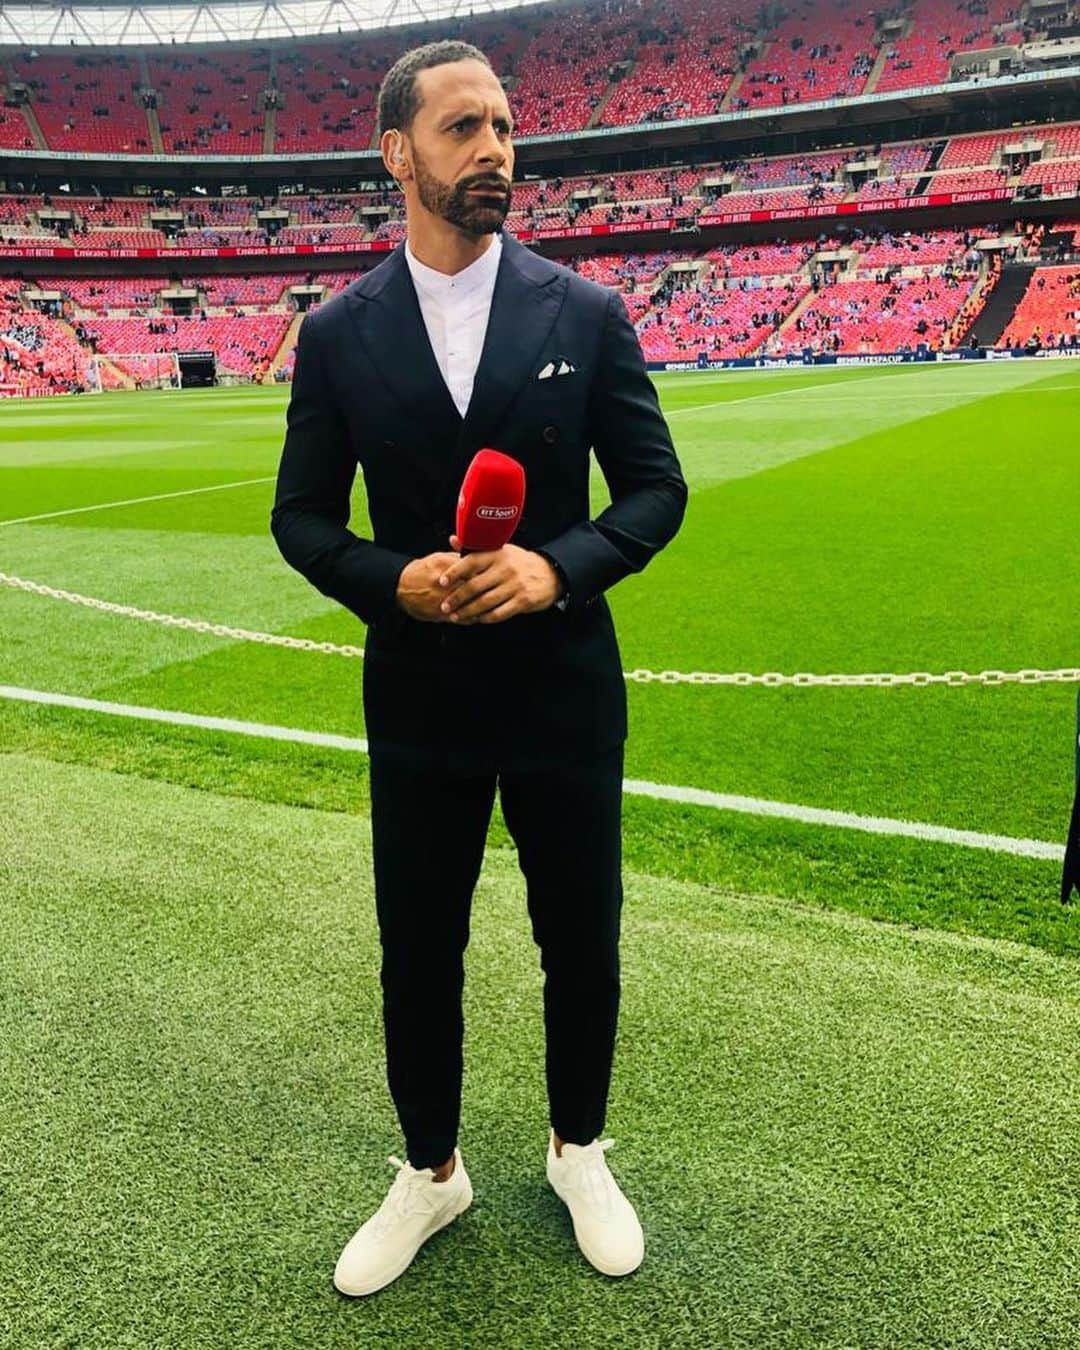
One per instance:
(847,1062)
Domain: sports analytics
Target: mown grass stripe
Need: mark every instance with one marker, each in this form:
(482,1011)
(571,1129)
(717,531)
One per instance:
(135,501)
(808,815)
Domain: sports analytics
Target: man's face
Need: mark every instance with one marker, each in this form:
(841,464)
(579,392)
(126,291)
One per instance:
(460,141)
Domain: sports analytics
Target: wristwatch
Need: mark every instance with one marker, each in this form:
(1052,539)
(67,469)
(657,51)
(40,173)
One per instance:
(563,601)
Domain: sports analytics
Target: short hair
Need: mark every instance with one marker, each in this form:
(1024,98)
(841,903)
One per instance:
(398,99)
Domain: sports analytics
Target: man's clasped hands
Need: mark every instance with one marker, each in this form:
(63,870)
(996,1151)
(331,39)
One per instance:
(479,588)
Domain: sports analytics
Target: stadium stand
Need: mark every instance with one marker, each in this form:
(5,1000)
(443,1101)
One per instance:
(628,271)
(336,281)
(243,345)
(964,151)
(779,199)
(315,210)
(225,237)
(617,63)
(879,286)
(208,101)
(761,260)
(790,170)
(723,323)
(858,284)
(37,354)
(88,101)
(110,293)
(815,52)
(106,211)
(263,289)
(14,131)
(18,210)
(1056,172)
(683,70)
(121,239)
(785,183)
(919,250)
(971,181)
(208,212)
(326,234)
(1049,311)
(564,75)
(938,30)
(880,316)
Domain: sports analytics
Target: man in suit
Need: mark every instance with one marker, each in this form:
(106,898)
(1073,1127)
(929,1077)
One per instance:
(495,669)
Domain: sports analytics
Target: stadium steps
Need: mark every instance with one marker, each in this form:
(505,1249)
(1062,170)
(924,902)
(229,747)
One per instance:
(155,131)
(936,151)
(607,96)
(29,116)
(965,321)
(803,305)
(270,125)
(156,143)
(877,68)
(996,314)
(287,343)
(732,89)
(35,127)
(126,381)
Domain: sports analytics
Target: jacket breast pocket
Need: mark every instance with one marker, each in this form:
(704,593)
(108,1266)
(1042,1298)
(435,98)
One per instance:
(560,399)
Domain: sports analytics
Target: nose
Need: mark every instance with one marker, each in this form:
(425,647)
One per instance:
(490,149)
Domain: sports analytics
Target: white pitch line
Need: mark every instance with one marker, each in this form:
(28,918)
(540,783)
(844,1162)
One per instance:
(755,806)
(758,398)
(134,501)
(798,389)
(956,395)
(183,719)
(960,394)
(847,820)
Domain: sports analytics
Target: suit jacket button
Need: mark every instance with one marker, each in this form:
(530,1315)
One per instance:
(550,435)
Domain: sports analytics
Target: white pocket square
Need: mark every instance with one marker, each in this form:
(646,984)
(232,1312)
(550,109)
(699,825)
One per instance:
(559,367)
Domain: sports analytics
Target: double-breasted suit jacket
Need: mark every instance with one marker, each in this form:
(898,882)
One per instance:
(367,392)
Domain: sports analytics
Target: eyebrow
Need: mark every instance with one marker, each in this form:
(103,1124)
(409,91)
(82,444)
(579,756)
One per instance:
(454,118)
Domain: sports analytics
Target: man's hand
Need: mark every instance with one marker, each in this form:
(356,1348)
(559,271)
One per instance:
(418,591)
(494,586)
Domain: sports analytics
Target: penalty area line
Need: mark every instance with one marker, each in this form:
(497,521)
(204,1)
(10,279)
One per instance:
(755,806)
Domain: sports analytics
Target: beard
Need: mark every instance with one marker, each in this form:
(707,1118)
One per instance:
(472,215)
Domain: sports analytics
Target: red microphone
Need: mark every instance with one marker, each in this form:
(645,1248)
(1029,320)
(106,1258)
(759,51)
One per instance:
(490,502)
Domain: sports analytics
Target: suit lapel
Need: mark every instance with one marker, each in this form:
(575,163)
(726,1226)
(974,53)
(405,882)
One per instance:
(395,340)
(524,307)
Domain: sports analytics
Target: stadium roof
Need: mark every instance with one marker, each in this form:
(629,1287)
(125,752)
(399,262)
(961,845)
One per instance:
(150,23)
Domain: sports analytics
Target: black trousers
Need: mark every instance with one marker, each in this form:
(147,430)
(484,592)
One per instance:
(429,829)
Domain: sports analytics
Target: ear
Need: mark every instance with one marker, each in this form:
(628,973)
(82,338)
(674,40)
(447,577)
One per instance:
(392,145)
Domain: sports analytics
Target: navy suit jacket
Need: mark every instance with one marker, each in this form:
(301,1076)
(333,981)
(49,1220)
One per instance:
(367,391)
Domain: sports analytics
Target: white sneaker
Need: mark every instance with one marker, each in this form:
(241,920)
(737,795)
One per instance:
(415,1207)
(605,1223)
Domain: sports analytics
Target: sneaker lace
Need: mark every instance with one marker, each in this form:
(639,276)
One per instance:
(406,1196)
(589,1172)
